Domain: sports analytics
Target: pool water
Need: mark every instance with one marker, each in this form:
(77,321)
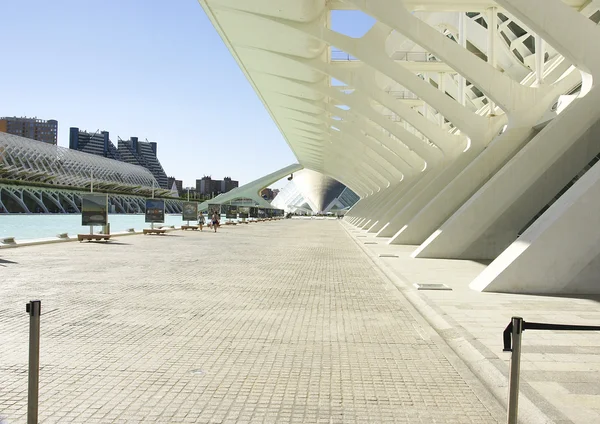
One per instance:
(35,226)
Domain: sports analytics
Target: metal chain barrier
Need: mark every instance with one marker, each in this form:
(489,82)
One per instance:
(514,333)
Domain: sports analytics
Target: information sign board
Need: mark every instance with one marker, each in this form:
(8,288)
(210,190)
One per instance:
(94,209)
(230,211)
(190,211)
(155,210)
(243,211)
(214,207)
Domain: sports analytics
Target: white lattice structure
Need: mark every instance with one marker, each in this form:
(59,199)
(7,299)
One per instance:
(28,160)
(462,125)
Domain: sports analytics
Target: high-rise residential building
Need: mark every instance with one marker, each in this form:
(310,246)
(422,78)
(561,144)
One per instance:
(143,153)
(97,143)
(207,186)
(178,184)
(37,129)
(228,184)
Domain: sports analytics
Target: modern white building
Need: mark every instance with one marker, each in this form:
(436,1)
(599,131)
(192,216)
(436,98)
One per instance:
(468,128)
(312,192)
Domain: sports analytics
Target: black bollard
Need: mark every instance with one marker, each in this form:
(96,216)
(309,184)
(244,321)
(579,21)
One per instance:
(34,308)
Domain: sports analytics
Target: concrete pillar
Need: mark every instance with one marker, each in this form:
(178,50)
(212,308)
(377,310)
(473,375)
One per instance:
(442,88)
(559,253)
(539,59)
(490,221)
(462,40)
(492,13)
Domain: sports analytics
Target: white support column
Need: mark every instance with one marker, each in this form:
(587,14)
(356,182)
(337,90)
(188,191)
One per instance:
(492,22)
(424,194)
(539,59)
(560,255)
(388,207)
(462,40)
(442,88)
(491,219)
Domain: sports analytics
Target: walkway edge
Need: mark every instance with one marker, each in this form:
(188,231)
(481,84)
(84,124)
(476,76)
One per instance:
(50,240)
(489,369)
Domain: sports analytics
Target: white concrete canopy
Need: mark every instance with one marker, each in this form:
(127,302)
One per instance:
(457,123)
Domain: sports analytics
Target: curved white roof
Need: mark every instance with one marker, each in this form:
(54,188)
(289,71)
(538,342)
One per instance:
(30,160)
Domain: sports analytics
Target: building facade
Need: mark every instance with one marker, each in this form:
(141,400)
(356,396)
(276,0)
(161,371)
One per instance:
(143,153)
(266,193)
(97,143)
(206,186)
(228,184)
(34,128)
(178,183)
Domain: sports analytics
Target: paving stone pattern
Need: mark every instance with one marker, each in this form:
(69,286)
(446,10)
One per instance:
(270,322)
(560,370)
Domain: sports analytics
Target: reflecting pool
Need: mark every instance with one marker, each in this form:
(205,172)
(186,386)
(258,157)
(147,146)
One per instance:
(35,226)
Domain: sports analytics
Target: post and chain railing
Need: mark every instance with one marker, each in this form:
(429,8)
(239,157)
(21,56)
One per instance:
(34,308)
(513,335)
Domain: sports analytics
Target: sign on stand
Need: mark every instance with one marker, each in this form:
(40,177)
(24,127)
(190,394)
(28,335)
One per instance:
(190,211)
(155,211)
(212,208)
(230,211)
(243,211)
(94,210)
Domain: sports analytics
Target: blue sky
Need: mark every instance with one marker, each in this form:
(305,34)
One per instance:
(154,69)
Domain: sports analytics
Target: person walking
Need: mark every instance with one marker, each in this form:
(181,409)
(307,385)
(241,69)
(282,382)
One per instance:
(201,220)
(215,220)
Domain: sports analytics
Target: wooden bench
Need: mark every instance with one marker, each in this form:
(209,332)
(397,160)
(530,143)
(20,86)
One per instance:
(189,227)
(93,237)
(154,231)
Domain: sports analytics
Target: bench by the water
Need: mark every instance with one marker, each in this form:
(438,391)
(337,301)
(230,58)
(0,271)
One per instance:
(154,231)
(94,237)
(189,227)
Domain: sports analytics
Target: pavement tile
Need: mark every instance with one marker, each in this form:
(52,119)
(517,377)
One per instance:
(273,322)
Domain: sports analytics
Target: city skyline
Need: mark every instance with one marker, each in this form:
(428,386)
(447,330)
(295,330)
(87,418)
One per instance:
(149,79)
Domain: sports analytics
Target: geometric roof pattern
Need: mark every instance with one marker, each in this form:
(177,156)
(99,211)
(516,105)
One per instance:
(424,83)
(29,160)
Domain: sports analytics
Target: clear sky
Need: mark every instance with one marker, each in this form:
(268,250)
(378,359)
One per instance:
(155,69)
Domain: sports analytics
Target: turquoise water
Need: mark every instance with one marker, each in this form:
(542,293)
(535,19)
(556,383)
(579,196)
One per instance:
(26,227)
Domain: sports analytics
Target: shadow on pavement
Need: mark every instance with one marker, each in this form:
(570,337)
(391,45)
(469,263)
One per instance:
(593,297)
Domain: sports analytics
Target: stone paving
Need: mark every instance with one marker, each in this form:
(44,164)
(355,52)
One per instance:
(560,371)
(271,322)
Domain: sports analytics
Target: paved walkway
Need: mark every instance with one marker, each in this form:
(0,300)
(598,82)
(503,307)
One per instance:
(283,321)
(560,371)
